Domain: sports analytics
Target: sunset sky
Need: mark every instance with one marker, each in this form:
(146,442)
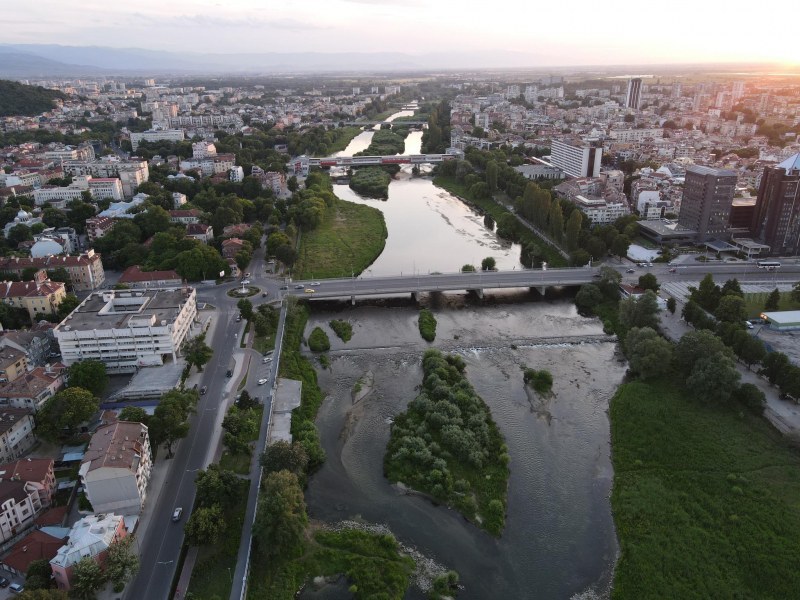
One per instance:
(556,33)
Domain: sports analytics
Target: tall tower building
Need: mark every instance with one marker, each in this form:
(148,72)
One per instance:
(707,198)
(738,90)
(633,98)
(776,220)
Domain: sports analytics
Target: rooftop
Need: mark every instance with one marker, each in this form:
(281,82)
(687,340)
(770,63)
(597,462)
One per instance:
(88,537)
(34,546)
(783,317)
(11,416)
(120,309)
(118,445)
(134,274)
(27,469)
(790,164)
(702,170)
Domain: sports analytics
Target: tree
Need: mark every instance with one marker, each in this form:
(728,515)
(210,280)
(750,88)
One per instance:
(216,486)
(491,176)
(169,421)
(292,184)
(89,375)
(751,397)
(152,221)
(38,576)
(608,282)
(588,298)
(42,594)
(281,518)
(796,292)
(246,308)
(134,414)
(488,264)
(122,562)
(731,309)
(649,354)
(197,352)
(62,413)
(713,378)
(241,427)
(695,345)
(751,349)
(671,305)
(773,365)
(732,287)
(707,294)
(282,456)
(245,401)
(87,579)
(639,312)
(205,526)
(18,234)
(556,222)
(773,300)
(648,281)
(468,269)
(573,230)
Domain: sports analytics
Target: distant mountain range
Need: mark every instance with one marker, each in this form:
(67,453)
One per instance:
(41,60)
(48,60)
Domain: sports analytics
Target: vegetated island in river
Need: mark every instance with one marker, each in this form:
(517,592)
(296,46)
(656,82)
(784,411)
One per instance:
(372,182)
(447,445)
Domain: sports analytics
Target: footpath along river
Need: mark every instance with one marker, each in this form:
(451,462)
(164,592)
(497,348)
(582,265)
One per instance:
(559,541)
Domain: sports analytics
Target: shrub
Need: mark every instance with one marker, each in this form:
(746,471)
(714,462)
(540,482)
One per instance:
(427,325)
(343,329)
(318,341)
(541,381)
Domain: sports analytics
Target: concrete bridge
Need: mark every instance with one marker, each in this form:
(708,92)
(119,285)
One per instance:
(302,164)
(394,123)
(437,282)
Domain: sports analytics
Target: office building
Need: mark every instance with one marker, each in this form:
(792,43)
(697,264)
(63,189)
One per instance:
(156,135)
(128,329)
(706,204)
(776,220)
(576,157)
(633,98)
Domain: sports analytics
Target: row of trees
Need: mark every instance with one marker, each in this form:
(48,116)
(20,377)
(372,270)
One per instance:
(218,490)
(170,419)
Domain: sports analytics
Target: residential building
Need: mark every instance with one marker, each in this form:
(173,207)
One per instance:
(200,232)
(576,158)
(203,149)
(116,468)
(85,270)
(104,188)
(636,135)
(16,433)
(135,278)
(178,199)
(185,216)
(231,247)
(236,174)
(131,173)
(537,172)
(22,218)
(119,210)
(37,545)
(776,221)
(633,97)
(600,211)
(156,135)
(91,536)
(19,504)
(13,364)
(128,329)
(33,389)
(706,203)
(36,471)
(37,346)
(40,296)
(97,227)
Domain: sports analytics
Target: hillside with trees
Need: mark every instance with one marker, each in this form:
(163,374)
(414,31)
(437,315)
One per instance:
(17,99)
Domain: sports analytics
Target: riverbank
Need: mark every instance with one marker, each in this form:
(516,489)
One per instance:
(704,499)
(343,137)
(496,211)
(347,241)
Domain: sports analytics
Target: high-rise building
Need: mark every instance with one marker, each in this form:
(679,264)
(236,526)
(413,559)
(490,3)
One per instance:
(707,198)
(576,157)
(633,98)
(776,220)
(738,89)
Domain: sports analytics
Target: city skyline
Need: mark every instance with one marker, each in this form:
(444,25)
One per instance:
(512,33)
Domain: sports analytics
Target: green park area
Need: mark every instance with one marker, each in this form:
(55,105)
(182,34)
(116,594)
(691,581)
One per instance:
(706,499)
(755,304)
(348,239)
(372,182)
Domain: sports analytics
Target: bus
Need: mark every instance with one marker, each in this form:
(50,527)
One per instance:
(768,264)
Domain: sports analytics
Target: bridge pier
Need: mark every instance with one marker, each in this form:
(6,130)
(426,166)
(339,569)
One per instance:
(414,297)
(541,289)
(352,300)
(478,292)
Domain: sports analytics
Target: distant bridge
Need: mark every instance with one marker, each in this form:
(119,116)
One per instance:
(393,123)
(302,164)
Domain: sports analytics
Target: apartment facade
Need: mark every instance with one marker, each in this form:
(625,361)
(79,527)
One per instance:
(19,505)
(40,296)
(576,158)
(38,472)
(33,389)
(16,433)
(706,203)
(85,270)
(776,219)
(158,135)
(128,329)
(116,468)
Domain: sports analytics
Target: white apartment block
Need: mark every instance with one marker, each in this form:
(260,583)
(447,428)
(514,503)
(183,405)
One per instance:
(116,468)
(19,504)
(203,149)
(599,211)
(16,433)
(159,135)
(57,196)
(636,135)
(576,158)
(128,329)
(131,173)
(105,188)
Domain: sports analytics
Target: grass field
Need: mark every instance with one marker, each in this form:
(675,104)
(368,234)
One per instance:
(706,499)
(238,463)
(349,239)
(211,577)
(495,210)
(754,303)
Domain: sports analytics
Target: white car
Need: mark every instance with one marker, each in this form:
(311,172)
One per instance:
(267,359)
(262,381)
(316,283)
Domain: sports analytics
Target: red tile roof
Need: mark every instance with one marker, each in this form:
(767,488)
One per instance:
(27,469)
(53,517)
(37,545)
(134,274)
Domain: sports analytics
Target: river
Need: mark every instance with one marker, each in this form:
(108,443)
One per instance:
(559,539)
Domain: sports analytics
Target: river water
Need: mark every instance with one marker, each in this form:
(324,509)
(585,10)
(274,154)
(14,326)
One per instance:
(559,539)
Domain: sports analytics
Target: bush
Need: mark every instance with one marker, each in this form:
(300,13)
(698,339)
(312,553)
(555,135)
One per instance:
(343,329)
(427,325)
(541,381)
(318,341)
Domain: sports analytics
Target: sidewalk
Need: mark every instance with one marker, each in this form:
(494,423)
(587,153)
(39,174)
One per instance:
(784,415)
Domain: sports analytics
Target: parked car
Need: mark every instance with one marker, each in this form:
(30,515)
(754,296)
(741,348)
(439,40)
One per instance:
(263,294)
(203,390)
(630,271)
(673,270)
(176,514)
(246,275)
(16,588)
(267,359)
(262,381)
(238,318)
(229,373)
(284,287)
(4,582)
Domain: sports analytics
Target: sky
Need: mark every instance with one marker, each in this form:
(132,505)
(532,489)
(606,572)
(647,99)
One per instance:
(571,32)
